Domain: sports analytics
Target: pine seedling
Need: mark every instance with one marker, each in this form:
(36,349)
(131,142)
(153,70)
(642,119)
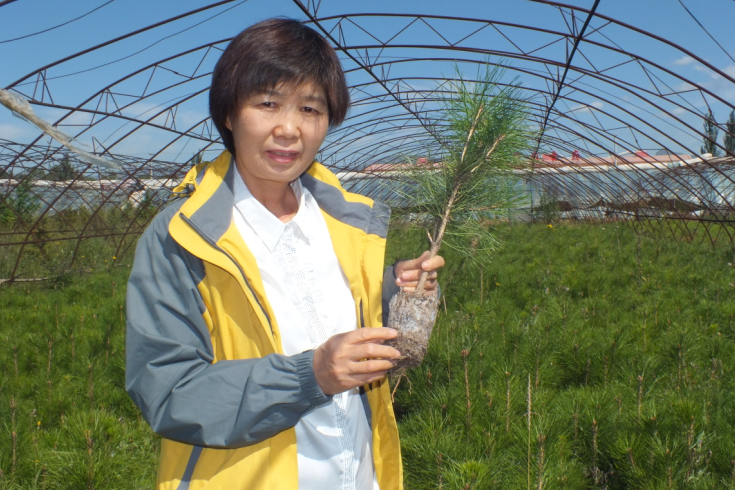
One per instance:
(14,435)
(529,403)
(50,353)
(481,139)
(90,385)
(468,404)
(507,402)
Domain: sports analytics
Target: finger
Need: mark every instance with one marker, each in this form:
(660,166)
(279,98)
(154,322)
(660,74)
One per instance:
(373,351)
(429,287)
(410,286)
(432,264)
(371,366)
(411,264)
(424,263)
(413,276)
(370,335)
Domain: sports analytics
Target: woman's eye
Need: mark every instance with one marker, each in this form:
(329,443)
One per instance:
(267,104)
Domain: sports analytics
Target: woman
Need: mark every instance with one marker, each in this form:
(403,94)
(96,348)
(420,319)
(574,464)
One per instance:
(250,303)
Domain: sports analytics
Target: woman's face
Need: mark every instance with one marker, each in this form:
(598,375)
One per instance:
(278,133)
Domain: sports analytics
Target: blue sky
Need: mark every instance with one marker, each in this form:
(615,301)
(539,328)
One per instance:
(664,18)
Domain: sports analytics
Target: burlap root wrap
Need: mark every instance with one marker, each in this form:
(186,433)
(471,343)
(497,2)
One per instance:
(413,316)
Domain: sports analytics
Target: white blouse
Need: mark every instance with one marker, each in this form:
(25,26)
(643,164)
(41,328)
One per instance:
(311,301)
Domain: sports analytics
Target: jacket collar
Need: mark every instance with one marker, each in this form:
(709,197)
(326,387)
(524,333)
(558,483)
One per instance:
(205,228)
(212,195)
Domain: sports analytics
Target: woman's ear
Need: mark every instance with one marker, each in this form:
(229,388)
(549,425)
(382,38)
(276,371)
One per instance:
(227,123)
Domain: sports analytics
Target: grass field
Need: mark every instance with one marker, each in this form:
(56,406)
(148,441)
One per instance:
(584,356)
(68,242)
(66,419)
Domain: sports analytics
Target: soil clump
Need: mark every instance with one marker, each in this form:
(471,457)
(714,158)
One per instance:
(413,316)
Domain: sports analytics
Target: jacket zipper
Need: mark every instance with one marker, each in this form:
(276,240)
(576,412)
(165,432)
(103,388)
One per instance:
(242,272)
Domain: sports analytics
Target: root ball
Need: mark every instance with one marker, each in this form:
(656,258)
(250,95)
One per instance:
(413,316)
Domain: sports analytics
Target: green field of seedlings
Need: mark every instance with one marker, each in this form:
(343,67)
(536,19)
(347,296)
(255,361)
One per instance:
(583,356)
(67,421)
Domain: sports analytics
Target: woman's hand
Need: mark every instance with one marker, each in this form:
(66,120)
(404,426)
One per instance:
(353,359)
(408,271)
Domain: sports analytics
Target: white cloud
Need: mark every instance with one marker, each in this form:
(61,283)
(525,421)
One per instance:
(683,61)
(186,119)
(705,70)
(729,70)
(142,145)
(581,108)
(142,110)
(78,118)
(683,87)
(722,86)
(20,133)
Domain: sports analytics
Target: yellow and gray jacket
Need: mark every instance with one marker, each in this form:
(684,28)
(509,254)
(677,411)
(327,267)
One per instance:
(204,357)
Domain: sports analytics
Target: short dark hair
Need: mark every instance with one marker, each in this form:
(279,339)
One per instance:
(267,54)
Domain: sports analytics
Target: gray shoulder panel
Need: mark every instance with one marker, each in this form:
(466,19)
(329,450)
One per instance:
(215,216)
(157,232)
(379,220)
(372,220)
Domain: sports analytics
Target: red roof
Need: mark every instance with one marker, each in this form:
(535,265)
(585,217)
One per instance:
(550,160)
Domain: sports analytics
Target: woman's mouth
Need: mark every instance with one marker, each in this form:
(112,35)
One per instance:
(282,156)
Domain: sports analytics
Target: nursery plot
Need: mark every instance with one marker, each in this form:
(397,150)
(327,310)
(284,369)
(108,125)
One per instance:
(67,421)
(581,356)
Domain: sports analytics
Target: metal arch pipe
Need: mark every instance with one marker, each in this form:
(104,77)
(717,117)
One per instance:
(560,83)
(387,119)
(117,39)
(621,85)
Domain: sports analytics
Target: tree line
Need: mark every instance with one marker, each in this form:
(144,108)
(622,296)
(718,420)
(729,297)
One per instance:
(711,132)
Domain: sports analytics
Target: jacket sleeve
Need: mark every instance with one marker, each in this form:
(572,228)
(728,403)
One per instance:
(170,372)
(390,288)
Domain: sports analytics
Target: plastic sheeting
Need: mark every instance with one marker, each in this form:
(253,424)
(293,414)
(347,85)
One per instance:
(20,107)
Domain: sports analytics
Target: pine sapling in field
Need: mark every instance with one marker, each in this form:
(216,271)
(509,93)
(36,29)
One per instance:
(480,140)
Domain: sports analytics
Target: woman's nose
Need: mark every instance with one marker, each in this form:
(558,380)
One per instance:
(288,125)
